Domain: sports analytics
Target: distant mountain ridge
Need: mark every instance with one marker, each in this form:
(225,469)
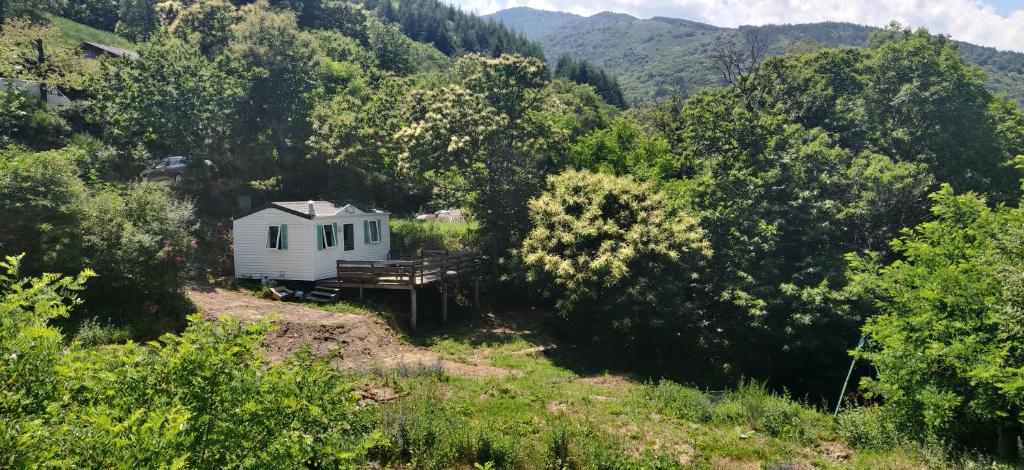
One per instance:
(653,58)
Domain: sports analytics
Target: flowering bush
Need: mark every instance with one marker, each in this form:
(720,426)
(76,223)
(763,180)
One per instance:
(617,261)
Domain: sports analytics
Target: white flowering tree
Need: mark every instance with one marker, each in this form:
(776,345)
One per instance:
(485,138)
(617,261)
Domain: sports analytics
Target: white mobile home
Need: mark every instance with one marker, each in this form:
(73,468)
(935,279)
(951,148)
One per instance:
(302,241)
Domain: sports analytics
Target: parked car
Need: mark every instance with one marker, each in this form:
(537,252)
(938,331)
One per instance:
(444,215)
(174,169)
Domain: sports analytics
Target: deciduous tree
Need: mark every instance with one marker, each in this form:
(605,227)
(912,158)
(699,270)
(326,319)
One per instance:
(946,335)
(280,62)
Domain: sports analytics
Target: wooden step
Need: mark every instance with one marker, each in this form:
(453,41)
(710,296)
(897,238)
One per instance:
(319,295)
(321,299)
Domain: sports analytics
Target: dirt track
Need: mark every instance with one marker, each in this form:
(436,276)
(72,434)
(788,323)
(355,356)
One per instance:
(366,342)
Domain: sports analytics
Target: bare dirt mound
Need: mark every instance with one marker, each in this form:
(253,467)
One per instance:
(364,342)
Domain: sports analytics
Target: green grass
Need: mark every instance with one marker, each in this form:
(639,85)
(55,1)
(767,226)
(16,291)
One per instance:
(553,410)
(549,413)
(347,306)
(77,33)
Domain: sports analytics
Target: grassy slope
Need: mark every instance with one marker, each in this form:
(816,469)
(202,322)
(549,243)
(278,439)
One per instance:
(553,406)
(77,33)
(655,57)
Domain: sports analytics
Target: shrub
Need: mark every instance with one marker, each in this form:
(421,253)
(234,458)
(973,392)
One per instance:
(752,405)
(204,399)
(92,333)
(428,431)
(682,402)
(619,264)
(868,428)
(410,236)
(23,120)
(559,452)
(138,238)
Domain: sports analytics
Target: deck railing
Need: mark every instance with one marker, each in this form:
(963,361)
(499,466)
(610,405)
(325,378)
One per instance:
(434,266)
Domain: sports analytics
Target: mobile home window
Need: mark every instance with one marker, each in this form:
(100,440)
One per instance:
(350,237)
(374,232)
(330,238)
(274,237)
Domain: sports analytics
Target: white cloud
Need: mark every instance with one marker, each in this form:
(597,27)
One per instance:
(967,20)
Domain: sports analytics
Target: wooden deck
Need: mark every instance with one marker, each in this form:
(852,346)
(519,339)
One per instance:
(437,267)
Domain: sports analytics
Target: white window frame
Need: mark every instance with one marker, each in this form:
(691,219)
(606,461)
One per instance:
(374,232)
(277,241)
(332,241)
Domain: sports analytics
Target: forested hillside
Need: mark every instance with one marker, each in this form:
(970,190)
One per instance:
(451,30)
(656,57)
(749,240)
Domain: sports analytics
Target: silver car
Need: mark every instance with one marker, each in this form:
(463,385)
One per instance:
(173,169)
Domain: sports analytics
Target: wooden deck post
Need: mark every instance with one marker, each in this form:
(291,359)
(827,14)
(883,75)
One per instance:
(360,292)
(412,308)
(476,292)
(444,303)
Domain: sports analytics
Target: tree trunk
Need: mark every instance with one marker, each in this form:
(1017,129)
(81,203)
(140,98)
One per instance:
(1007,442)
(277,136)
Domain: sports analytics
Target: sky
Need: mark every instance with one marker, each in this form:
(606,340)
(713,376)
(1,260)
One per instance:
(996,23)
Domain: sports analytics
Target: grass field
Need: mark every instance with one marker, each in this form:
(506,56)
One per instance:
(548,413)
(77,33)
(553,410)
(552,406)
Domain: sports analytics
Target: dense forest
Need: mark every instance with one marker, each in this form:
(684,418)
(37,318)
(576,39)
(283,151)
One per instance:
(825,203)
(451,30)
(656,57)
(582,72)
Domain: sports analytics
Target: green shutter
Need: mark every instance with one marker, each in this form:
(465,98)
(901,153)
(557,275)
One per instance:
(284,237)
(380,232)
(335,233)
(319,237)
(366,232)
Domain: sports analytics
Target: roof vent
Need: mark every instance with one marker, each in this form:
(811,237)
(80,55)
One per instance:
(312,210)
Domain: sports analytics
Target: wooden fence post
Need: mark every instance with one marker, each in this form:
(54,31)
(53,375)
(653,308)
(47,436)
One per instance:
(444,302)
(412,307)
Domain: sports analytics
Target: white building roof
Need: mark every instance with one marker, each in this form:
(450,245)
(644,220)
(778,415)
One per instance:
(318,209)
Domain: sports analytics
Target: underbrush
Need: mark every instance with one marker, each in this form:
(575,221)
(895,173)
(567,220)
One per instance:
(868,428)
(409,236)
(93,333)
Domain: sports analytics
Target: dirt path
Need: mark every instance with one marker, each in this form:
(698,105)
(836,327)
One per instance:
(365,342)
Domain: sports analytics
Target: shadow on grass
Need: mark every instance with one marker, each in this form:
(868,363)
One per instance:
(490,327)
